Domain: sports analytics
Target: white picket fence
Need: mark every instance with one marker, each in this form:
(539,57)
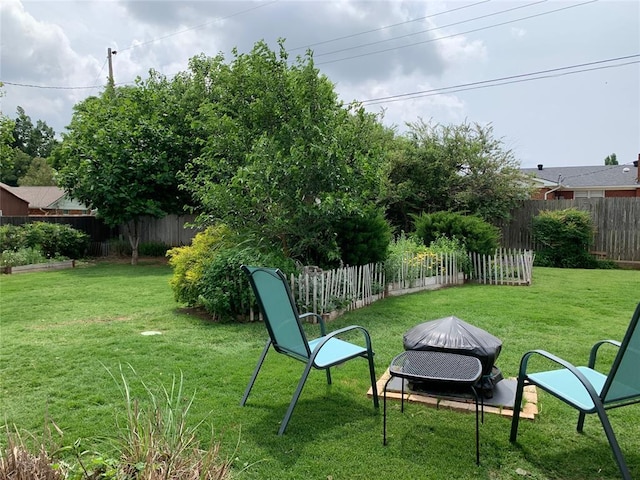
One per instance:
(331,292)
(506,267)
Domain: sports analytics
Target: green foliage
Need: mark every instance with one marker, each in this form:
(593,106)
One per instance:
(363,237)
(189,262)
(399,250)
(611,159)
(22,256)
(207,273)
(35,141)
(460,168)
(564,238)
(39,173)
(52,239)
(282,156)
(122,152)
(225,292)
(452,246)
(472,232)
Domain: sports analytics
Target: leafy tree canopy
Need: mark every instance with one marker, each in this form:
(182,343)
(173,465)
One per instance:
(282,156)
(460,168)
(35,141)
(39,173)
(121,154)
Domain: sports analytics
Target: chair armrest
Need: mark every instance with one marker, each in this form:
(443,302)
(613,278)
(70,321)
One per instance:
(574,371)
(594,350)
(323,327)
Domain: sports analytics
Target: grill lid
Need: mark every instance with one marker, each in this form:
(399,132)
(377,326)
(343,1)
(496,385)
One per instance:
(450,334)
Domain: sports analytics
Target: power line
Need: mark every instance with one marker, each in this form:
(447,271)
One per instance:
(196,27)
(525,77)
(456,34)
(385,27)
(429,29)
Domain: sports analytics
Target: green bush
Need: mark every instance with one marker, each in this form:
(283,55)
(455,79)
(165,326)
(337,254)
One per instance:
(225,292)
(189,262)
(472,232)
(10,238)
(563,238)
(52,239)
(363,237)
(22,256)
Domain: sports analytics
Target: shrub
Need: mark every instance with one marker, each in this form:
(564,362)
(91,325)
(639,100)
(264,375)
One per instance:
(363,237)
(400,250)
(10,237)
(189,262)
(52,239)
(224,291)
(22,256)
(564,237)
(472,232)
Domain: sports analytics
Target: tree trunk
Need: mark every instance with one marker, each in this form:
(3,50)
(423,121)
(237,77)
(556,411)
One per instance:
(134,240)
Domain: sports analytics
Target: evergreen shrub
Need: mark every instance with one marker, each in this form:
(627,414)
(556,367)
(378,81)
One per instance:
(563,238)
(472,232)
(363,237)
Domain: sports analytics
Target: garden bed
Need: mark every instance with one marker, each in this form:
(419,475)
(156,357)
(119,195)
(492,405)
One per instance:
(39,267)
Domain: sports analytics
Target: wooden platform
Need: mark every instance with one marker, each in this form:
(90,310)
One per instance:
(529,411)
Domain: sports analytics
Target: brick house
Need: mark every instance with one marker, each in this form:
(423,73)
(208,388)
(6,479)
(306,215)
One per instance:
(598,181)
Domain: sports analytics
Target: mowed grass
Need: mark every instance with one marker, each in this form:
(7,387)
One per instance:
(62,332)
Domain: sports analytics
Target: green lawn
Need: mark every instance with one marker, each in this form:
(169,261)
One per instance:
(60,332)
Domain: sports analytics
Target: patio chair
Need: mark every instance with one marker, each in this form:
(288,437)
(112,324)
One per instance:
(588,390)
(288,337)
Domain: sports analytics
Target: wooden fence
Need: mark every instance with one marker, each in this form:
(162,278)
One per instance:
(617,222)
(331,292)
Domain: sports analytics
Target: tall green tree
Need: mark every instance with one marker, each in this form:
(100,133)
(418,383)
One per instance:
(39,173)
(34,140)
(282,156)
(460,168)
(122,153)
(611,159)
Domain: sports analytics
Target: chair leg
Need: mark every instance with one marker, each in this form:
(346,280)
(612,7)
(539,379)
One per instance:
(255,373)
(613,443)
(581,421)
(516,409)
(294,400)
(374,387)
(328,376)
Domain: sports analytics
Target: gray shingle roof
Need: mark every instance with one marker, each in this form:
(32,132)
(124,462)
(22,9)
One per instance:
(593,176)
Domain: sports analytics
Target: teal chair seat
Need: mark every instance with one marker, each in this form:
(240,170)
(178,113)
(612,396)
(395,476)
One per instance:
(287,336)
(586,389)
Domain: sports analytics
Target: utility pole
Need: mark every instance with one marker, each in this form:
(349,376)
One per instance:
(110,54)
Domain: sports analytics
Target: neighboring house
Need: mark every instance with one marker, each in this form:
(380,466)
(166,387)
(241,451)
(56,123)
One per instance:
(11,205)
(47,201)
(600,181)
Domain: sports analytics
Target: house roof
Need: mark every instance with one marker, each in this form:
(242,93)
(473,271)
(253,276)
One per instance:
(597,176)
(52,198)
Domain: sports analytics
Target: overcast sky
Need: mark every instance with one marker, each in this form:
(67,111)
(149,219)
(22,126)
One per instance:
(441,52)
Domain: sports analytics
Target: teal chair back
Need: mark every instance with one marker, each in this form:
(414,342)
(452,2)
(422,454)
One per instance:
(279,310)
(623,381)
